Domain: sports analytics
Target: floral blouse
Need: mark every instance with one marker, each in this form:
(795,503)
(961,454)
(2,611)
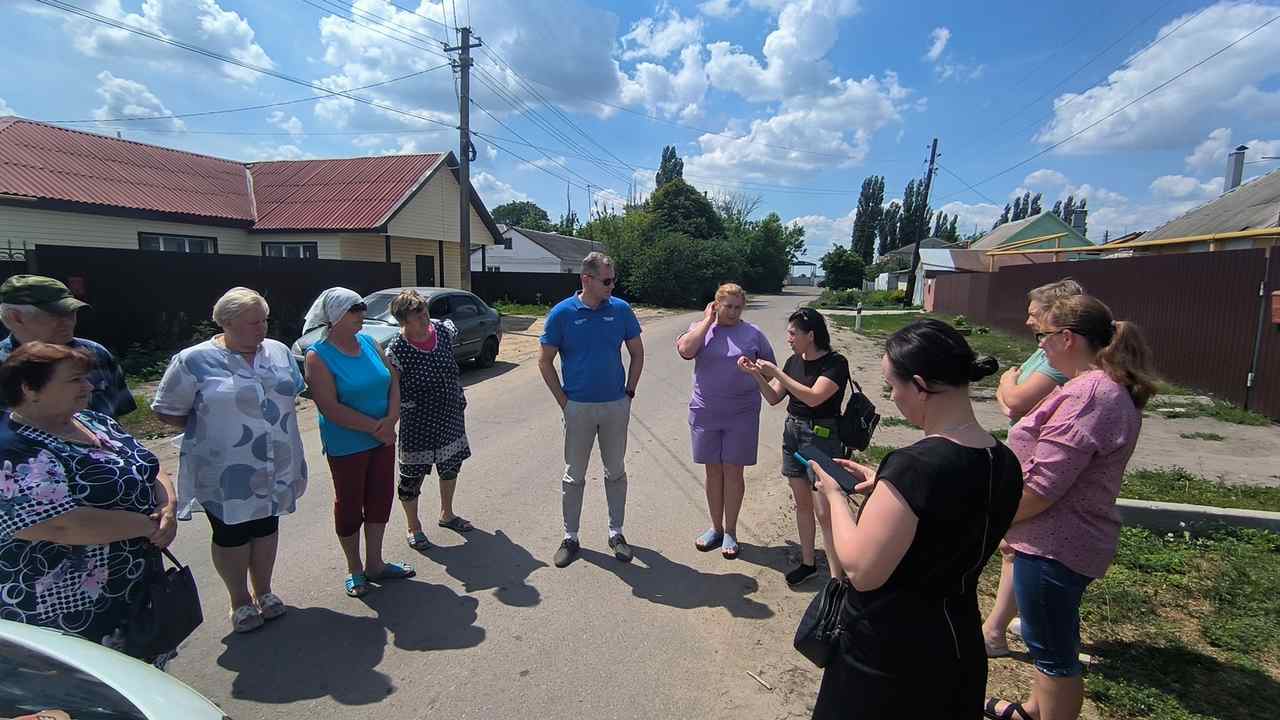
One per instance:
(242,458)
(80,589)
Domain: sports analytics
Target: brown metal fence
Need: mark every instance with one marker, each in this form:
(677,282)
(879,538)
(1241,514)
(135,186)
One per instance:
(1265,394)
(1199,311)
(154,299)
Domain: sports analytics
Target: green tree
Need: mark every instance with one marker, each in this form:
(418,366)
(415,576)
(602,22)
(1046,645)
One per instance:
(916,216)
(939,226)
(735,210)
(1004,217)
(1068,209)
(568,224)
(671,168)
(793,242)
(1057,208)
(889,264)
(1035,205)
(866,219)
(678,207)
(765,255)
(953,233)
(888,230)
(523,213)
(844,268)
(676,270)
(1019,211)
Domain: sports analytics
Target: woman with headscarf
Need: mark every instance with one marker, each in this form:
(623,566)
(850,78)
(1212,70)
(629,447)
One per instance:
(359,406)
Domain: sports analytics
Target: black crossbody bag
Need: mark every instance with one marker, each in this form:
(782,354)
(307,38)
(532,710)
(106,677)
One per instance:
(166,613)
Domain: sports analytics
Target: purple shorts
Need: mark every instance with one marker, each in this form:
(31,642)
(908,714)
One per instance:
(732,442)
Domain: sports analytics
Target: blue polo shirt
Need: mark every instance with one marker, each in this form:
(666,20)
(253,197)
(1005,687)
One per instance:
(590,343)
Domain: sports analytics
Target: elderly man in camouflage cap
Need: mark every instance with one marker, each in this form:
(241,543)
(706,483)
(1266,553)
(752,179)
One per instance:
(40,309)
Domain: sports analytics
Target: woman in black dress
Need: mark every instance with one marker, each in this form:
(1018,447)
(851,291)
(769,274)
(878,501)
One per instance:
(936,511)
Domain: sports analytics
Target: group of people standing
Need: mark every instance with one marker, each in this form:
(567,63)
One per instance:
(82,503)
(937,510)
(84,506)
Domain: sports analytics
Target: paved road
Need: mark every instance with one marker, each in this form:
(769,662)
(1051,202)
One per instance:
(489,628)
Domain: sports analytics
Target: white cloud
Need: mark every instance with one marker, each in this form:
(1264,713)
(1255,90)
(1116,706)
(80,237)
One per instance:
(493,191)
(285,122)
(1175,115)
(5,109)
(938,38)
(722,9)
(657,88)
(127,98)
(1211,154)
(952,70)
(794,53)
(981,215)
(263,153)
(838,125)
(490,152)
(657,38)
(821,233)
(1045,178)
(1181,186)
(200,22)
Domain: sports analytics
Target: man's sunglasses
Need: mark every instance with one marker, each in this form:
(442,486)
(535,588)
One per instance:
(607,282)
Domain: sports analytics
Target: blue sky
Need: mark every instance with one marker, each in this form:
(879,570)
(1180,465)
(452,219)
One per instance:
(792,100)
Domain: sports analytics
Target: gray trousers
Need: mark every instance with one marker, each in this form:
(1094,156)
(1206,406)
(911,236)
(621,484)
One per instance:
(582,423)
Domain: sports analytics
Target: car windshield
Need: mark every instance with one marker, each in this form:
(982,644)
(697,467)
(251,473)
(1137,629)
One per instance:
(378,305)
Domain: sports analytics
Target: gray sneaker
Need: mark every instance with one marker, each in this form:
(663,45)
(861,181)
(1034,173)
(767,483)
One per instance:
(567,553)
(621,549)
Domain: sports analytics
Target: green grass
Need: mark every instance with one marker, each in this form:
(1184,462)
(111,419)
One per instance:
(143,424)
(1179,628)
(1219,410)
(874,454)
(1177,485)
(1208,436)
(895,422)
(1000,434)
(507,308)
(1010,350)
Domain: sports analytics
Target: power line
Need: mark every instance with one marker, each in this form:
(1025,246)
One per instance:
(512,131)
(65,7)
(1126,106)
(981,194)
(532,164)
(329,7)
(245,108)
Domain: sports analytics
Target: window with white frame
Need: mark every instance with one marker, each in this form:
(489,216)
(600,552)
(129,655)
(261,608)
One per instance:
(290,250)
(178,243)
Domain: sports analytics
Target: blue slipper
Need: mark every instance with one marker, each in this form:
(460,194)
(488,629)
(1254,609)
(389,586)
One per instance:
(395,571)
(356,585)
(729,548)
(709,540)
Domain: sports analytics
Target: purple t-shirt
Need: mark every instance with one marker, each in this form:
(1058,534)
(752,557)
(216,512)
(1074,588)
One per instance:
(721,391)
(1073,448)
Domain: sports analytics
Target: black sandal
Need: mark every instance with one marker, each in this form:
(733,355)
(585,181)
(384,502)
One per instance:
(990,710)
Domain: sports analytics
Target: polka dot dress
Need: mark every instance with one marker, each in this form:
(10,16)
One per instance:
(432,423)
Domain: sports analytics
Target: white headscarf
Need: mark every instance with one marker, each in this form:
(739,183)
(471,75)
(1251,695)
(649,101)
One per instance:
(329,309)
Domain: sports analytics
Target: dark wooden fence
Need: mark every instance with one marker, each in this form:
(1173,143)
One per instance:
(525,287)
(1201,313)
(155,299)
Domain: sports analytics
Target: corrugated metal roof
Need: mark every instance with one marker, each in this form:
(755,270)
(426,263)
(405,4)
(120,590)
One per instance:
(44,161)
(1256,204)
(566,248)
(352,194)
(1000,236)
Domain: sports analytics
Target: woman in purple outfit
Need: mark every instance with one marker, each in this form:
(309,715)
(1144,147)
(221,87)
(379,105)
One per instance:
(724,412)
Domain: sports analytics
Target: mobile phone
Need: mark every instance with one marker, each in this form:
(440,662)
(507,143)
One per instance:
(811,454)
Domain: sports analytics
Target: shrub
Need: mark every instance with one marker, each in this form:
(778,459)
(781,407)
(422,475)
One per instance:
(884,298)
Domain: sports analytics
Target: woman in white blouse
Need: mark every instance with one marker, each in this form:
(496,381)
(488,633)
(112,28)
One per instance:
(242,460)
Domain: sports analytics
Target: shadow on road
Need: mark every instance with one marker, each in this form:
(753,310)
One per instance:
(654,578)
(471,375)
(783,559)
(491,562)
(315,652)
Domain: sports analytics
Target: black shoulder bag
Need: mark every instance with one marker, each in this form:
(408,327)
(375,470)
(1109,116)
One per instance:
(856,426)
(166,613)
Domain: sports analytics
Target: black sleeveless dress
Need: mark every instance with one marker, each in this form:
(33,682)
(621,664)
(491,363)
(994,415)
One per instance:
(914,646)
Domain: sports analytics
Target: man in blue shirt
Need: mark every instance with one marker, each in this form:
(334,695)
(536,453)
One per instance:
(41,309)
(587,331)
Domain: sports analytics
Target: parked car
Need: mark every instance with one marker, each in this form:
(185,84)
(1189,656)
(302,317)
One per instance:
(45,669)
(479,326)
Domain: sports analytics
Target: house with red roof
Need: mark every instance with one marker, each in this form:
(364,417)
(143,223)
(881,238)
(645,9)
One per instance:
(68,187)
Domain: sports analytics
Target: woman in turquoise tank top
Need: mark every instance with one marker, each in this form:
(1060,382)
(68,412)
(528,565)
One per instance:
(359,407)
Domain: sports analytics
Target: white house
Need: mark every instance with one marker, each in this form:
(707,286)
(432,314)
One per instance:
(523,250)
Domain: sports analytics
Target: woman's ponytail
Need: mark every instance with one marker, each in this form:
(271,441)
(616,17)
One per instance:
(1122,351)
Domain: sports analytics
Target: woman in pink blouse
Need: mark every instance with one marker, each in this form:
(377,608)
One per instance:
(1073,448)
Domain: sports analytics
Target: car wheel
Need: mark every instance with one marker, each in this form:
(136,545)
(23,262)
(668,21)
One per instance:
(488,353)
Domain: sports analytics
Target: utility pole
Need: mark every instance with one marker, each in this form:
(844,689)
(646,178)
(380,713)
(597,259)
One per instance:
(466,153)
(923,231)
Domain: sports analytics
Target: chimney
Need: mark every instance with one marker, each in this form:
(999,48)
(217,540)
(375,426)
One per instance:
(1079,221)
(1235,169)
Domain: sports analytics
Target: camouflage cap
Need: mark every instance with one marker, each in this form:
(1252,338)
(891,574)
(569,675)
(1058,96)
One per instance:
(43,292)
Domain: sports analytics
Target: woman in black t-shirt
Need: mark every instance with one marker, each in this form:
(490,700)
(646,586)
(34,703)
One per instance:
(814,378)
(913,634)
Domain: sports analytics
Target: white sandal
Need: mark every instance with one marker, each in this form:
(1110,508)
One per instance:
(246,618)
(271,606)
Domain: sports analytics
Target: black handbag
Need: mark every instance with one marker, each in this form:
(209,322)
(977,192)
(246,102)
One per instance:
(166,613)
(821,626)
(859,421)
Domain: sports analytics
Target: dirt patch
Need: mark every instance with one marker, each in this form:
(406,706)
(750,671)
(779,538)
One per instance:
(1246,455)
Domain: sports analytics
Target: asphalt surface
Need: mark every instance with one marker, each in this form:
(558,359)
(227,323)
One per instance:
(490,628)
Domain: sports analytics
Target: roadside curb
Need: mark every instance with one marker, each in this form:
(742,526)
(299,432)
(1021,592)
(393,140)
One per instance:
(1166,517)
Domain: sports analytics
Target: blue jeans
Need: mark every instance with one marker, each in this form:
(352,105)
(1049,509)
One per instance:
(1049,596)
